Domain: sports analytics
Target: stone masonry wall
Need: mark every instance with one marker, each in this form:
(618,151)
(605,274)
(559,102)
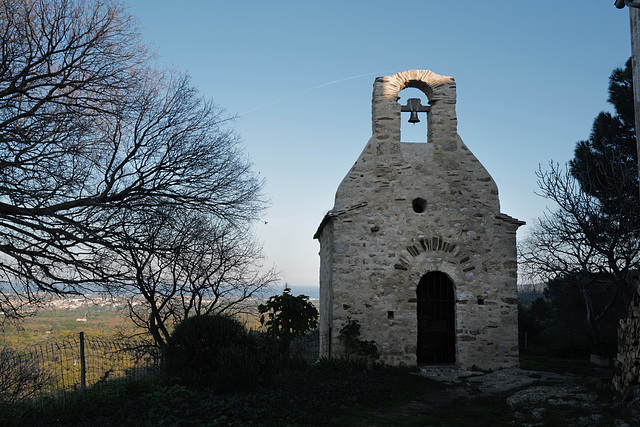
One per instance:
(375,246)
(627,362)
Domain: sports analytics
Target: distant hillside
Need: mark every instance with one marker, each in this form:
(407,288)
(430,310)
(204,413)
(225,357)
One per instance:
(530,296)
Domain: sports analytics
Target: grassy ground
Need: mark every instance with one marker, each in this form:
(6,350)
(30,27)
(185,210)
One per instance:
(578,366)
(332,394)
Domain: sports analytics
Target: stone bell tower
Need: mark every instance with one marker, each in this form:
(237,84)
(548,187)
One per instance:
(415,247)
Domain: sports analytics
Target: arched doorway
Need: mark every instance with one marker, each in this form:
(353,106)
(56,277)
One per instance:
(436,319)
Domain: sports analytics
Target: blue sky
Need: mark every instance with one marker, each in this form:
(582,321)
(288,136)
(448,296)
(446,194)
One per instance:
(531,76)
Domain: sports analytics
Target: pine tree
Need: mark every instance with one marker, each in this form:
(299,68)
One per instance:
(606,165)
(591,240)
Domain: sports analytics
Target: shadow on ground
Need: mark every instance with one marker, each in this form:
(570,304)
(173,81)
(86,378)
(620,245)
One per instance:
(577,394)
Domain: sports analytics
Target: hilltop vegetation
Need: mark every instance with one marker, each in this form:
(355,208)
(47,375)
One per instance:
(59,322)
(95,317)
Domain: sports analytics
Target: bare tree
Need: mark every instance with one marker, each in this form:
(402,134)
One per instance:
(92,137)
(181,263)
(220,268)
(582,243)
(591,243)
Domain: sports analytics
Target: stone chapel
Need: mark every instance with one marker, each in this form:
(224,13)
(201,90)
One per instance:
(415,248)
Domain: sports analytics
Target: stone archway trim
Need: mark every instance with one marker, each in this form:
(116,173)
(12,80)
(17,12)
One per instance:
(433,244)
(425,80)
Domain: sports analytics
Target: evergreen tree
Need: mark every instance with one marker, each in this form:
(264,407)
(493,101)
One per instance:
(606,164)
(591,241)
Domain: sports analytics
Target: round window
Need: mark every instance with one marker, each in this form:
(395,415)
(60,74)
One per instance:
(419,205)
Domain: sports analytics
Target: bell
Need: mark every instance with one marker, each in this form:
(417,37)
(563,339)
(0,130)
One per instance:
(413,106)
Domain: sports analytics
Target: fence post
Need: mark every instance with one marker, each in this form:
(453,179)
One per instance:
(83,382)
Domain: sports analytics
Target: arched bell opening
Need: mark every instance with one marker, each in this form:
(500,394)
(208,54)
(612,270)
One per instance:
(414,113)
(436,320)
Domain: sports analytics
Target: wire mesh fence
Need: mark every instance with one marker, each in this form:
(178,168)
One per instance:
(307,347)
(56,367)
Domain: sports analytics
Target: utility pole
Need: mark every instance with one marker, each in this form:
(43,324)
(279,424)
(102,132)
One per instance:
(626,360)
(634,24)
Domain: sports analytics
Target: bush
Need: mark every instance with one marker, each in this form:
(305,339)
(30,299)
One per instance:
(355,347)
(21,377)
(217,352)
(287,317)
(265,350)
(529,325)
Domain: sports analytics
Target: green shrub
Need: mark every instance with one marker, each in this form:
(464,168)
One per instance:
(21,377)
(355,347)
(287,317)
(265,351)
(217,352)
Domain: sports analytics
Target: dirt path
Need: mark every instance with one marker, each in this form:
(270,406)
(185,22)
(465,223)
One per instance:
(514,397)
